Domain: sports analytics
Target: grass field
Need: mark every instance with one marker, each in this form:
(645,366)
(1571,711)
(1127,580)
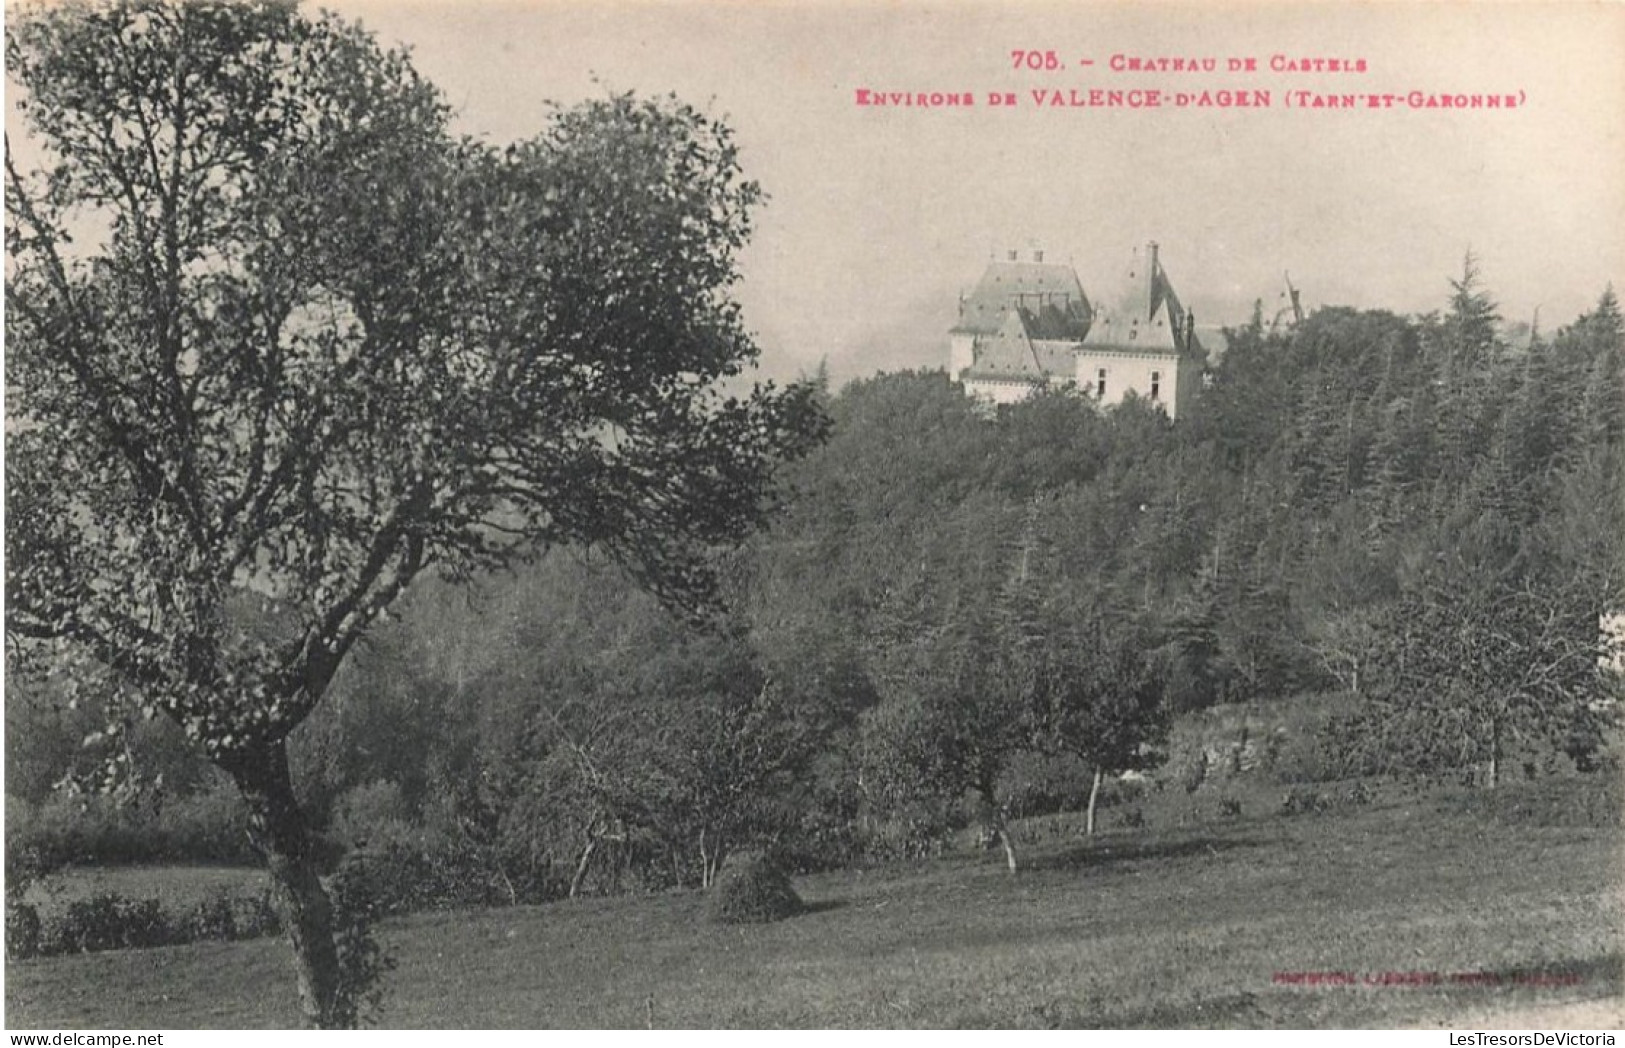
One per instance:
(1193,926)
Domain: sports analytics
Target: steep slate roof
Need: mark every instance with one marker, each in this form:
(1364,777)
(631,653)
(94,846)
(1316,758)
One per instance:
(1057,357)
(1008,353)
(1015,354)
(1145,315)
(1050,292)
(1058,324)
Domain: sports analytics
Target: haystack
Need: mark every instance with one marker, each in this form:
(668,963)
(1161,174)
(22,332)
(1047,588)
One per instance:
(752,890)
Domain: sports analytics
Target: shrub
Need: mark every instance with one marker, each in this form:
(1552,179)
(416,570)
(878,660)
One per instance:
(1230,807)
(111,921)
(213,918)
(22,931)
(146,924)
(752,890)
(406,868)
(1303,800)
(363,961)
(905,839)
(228,918)
(1125,791)
(86,925)
(108,921)
(25,865)
(257,917)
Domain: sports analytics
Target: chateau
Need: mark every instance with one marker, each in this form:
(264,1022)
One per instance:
(1029,324)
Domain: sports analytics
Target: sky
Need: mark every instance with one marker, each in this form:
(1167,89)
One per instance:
(879,217)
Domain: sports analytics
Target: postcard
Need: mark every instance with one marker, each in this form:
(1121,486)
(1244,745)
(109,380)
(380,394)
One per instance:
(1156,466)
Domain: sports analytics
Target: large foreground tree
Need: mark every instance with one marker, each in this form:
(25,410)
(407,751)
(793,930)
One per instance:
(279,344)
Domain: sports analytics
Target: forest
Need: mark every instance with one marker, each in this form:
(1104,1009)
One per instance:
(958,617)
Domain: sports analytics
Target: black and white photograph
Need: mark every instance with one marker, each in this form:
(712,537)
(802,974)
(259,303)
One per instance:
(814,514)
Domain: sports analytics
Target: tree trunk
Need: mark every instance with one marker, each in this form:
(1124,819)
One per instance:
(712,858)
(277,829)
(1495,750)
(995,817)
(1009,845)
(582,864)
(712,854)
(1094,795)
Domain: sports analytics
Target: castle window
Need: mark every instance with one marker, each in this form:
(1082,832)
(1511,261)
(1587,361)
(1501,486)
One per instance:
(1156,383)
(1100,382)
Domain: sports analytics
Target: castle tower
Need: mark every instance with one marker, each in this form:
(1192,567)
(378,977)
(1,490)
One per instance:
(1142,340)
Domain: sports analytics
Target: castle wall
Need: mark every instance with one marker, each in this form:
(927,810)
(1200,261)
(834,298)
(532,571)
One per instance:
(1127,370)
(995,392)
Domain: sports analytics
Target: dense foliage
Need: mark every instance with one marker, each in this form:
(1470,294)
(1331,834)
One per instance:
(964,615)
